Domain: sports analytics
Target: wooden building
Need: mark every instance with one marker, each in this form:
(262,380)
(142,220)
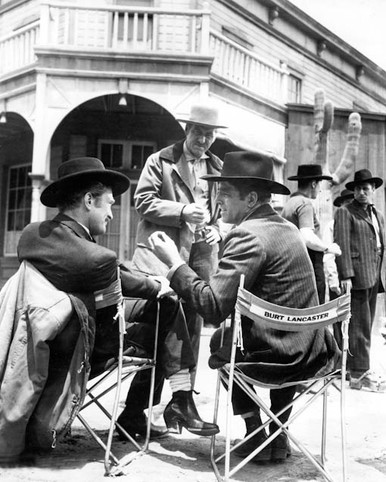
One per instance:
(109,78)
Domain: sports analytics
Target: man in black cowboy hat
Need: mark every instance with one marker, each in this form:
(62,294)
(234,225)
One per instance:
(300,210)
(269,251)
(172,196)
(64,251)
(359,231)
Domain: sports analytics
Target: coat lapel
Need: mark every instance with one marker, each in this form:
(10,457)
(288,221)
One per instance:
(182,169)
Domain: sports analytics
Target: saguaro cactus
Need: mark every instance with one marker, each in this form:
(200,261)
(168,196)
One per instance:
(323,120)
(351,149)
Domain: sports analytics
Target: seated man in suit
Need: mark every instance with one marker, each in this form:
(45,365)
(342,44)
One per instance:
(64,251)
(270,252)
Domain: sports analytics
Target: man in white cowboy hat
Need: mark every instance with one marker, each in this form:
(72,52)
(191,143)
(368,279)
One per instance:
(269,251)
(359,231)
(171,196)
(64,251)
(300,210)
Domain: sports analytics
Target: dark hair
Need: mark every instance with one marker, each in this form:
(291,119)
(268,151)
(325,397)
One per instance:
(71,197)
(246,186)
(304,183)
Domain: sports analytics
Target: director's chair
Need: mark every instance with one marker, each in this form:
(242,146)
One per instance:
(121,369)
(274,316)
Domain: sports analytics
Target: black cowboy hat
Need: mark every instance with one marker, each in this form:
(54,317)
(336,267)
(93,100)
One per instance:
(344,195)
(203,115)
(79,171)
(251,165)
(311,172)
(364,175)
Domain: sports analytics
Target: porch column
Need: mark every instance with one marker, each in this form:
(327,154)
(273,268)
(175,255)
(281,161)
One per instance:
(40,153)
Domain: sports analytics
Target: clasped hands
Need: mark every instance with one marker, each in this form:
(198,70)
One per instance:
(195,214)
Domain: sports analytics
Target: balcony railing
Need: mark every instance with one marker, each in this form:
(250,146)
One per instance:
(133,30)
(107,28)
(243,68)
(17,49)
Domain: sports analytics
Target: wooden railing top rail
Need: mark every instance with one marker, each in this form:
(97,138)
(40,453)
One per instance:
(19,31)
(281,69)
(123,9)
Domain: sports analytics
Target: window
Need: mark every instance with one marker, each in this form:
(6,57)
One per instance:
(111,155)
(294,89)
(18,213)
(125,154)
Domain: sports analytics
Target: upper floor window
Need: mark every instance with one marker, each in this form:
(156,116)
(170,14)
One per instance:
(294,89)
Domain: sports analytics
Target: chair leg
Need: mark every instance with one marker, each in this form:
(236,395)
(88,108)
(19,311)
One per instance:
(213,459)
(324,429)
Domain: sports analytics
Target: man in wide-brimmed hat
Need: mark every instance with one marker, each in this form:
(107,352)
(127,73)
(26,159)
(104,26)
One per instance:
(269,251)
(64,251)
(172,196)
(344,198)
(300,210)
(359,231)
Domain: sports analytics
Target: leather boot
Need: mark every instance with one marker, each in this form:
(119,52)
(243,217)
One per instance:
(252,423)
(136,425)
(181,412)
(280,448)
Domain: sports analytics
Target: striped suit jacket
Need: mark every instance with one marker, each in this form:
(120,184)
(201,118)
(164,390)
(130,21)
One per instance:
(355,234)
(271,254)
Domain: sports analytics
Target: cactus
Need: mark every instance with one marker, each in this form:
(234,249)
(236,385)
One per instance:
(323,120)
(350,151)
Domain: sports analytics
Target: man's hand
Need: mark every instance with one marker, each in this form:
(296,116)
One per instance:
(212,236)
(165,289)
(194,213)
(346,285)
(336,290)
(164,248)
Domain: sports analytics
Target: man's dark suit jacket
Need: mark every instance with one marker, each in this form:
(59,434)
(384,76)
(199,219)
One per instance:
(355,234)
(63,252)
(271,254)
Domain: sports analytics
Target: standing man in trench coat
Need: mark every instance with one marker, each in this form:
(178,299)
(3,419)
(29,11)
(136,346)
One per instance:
(171,196)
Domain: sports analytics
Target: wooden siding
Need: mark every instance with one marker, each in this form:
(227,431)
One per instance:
(287,43)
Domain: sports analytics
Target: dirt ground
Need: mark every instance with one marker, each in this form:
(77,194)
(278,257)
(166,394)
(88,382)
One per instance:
(185,457)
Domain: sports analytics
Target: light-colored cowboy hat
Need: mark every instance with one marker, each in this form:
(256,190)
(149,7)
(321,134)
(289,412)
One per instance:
(203,115)
(249,165)
(81,170)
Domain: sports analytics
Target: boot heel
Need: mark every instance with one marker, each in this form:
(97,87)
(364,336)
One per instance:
(174,426)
